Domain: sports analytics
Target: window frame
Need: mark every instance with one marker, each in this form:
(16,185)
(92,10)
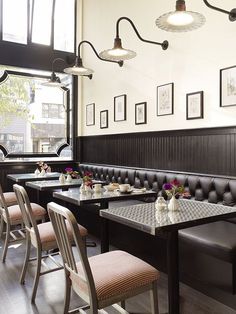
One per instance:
(40,57)
(35,54)
(69,140)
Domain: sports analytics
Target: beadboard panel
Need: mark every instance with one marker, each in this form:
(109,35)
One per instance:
(208,150)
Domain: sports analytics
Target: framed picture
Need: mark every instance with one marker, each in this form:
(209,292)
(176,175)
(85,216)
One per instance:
(141,113)
(194,105)
(165,99)
(120,108)
(228,87)
(104,119)
(90,114)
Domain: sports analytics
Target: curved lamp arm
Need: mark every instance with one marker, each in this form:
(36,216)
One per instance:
(53,75)
(232,13)
(164,45)
(96,53)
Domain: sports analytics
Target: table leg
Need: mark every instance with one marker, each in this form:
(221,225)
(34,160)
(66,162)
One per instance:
(173,272)
(104,235)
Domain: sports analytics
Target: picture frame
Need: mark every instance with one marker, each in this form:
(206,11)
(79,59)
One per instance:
(194,105)
(228,87)
(90,114)
(120,108)
(165,99)
(104,119)
(141,113)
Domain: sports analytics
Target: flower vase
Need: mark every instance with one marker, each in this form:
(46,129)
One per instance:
(68,178)
(62,178)
(82,188)
(173,204)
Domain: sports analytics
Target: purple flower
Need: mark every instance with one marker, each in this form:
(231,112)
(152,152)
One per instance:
(167,186)
(68,170)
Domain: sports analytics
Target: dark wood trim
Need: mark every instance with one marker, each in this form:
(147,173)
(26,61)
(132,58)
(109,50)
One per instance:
(206,150)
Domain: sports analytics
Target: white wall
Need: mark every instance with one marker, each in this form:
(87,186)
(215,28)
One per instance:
(192,62)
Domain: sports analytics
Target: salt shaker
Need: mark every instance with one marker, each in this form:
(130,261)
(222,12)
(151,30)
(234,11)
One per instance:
(62,178)
(160,203)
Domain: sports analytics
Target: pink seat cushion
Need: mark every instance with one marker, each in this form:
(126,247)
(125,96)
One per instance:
(16,215)
(10,198)
(115,273)
(47,235)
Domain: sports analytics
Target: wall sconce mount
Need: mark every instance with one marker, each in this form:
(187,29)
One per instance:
(118,53)
(79,69)
(231,14)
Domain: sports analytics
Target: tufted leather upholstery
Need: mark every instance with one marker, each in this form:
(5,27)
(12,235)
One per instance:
(201,187)
(217,239)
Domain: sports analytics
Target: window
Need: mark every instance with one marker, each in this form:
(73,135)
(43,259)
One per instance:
(14,21)
(34,119)
(64,32)
(53,111)
(42,22)
(45,22)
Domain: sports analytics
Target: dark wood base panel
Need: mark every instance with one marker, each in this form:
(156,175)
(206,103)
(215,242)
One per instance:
(206,150)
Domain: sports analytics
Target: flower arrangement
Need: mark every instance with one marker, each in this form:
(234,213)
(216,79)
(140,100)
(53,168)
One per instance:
(87,178)
(73,173)
(42,166)
(173,188)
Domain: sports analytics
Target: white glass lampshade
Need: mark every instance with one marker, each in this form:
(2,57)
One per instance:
(54,81)
(180,21)
(117,53)
(78,70)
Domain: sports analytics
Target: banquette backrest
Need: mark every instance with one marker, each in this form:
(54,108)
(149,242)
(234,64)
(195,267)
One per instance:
(201,187)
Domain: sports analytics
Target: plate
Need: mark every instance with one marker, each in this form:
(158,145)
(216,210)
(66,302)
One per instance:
(126,192)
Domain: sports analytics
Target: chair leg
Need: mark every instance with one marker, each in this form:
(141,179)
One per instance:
(1,226)
(154,298)
(234,277)
(122,303)
(6,243)
(67,292)
(26,260)
(37,274)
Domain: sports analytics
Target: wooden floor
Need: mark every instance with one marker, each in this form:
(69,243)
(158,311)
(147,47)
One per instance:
(15,298)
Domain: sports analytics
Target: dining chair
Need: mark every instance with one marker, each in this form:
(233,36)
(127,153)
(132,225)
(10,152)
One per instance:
(11,217)
(104,279)
(42,237)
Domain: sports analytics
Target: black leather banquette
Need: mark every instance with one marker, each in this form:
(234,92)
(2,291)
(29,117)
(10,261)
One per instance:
(217,239)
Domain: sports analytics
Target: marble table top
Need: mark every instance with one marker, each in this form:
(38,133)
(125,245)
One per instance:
(22,177)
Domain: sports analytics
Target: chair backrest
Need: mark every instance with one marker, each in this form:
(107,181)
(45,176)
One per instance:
(58,216)
(26,209)
(3,204)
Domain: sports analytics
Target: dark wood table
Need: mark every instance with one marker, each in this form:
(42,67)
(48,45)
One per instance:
(23,177)
(144,217)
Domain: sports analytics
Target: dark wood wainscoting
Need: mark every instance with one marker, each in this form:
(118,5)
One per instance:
(208,150)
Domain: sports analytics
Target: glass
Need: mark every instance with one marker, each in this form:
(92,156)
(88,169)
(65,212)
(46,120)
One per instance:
(33,117)
(14,21)
(42,22)
(64,25)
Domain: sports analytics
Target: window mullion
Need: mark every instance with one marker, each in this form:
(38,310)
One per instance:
(30,21)
(52,24)
(1,18)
